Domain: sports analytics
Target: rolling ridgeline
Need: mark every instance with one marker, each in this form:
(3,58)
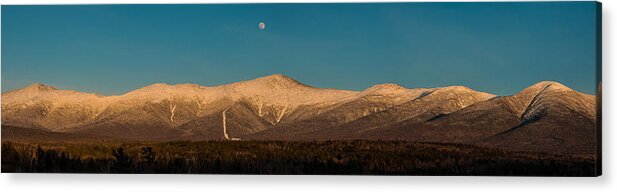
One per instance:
(286,127)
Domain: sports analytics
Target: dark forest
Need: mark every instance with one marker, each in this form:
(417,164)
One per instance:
(358,157)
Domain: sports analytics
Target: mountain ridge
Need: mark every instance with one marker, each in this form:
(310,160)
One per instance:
(281,108)
(392,86)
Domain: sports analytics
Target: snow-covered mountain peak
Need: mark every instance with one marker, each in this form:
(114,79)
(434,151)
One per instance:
(37,87)
(276,81)
(463,90)
(386,87)
(542,87)
(549,85)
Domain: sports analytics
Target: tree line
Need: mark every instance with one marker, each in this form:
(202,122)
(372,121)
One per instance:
(286,157)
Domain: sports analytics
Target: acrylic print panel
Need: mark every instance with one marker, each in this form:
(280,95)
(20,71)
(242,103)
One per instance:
(354,89)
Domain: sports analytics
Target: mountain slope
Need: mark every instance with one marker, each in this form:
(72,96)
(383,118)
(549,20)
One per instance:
(369,101)
(44,107)
(557,119)
(546,116)
(424,105)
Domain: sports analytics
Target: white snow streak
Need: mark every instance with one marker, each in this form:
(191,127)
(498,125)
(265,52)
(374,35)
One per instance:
(281,114)
(172,109)
(225,124)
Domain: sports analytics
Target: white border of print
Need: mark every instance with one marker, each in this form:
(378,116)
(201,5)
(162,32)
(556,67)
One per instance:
(250,183)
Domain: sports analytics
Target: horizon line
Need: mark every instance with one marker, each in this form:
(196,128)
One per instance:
(279,75)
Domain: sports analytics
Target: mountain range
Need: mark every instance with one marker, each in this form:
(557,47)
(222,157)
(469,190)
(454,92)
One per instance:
(545,117)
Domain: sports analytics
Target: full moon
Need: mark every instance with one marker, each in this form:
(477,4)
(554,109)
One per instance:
(262,25)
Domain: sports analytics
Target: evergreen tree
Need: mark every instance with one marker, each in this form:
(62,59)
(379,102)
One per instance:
(147,159)
(123,163)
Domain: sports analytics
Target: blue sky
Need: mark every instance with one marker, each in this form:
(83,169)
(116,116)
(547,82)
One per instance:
(111,49)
